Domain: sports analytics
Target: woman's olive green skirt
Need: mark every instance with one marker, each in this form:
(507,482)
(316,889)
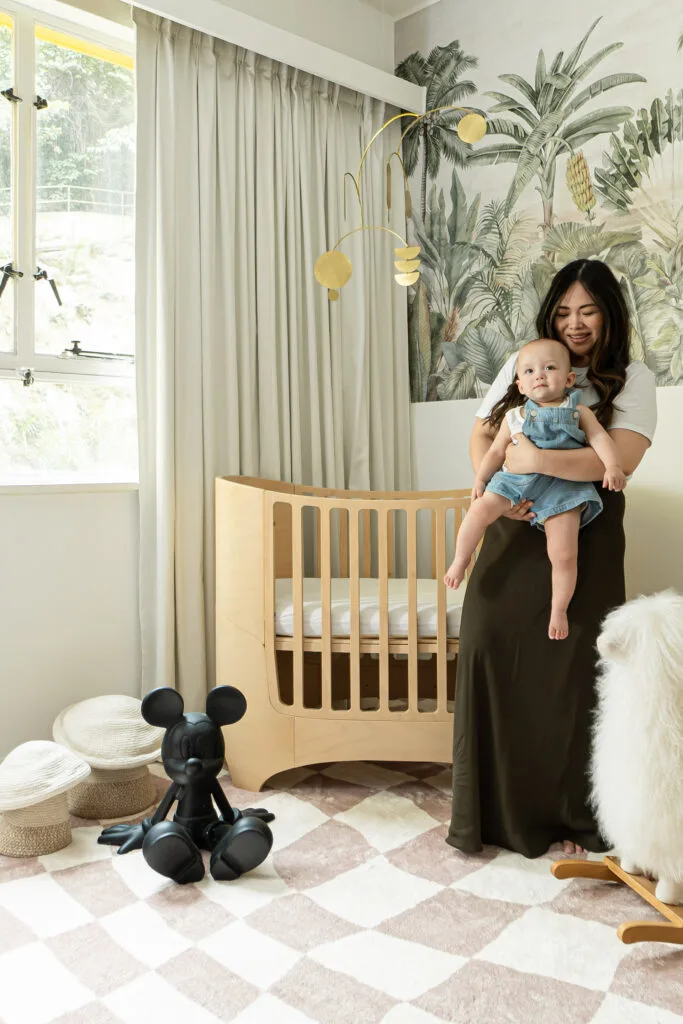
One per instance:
(523,703)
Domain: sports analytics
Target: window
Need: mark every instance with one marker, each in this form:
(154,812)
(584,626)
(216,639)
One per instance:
(67,165)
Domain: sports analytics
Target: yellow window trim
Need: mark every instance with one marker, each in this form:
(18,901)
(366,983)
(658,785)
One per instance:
(90,49)
(51,35)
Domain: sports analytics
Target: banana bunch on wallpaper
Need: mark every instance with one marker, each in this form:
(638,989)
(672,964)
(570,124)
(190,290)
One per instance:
(568,139)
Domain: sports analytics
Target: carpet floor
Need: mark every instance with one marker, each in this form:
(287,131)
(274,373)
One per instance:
(361,915)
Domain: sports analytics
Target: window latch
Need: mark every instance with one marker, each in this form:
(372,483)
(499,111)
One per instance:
(84,353)
(40,103)
(8,271)
(25,375)
(42,275)
(10,95)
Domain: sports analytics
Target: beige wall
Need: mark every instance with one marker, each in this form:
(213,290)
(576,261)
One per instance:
(113,10)
(351,27)
(68,604)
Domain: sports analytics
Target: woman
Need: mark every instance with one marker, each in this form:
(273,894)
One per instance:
(522,702)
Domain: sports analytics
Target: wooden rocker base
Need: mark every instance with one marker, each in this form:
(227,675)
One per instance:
(610,870)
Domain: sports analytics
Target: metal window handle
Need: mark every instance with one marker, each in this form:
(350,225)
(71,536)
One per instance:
(40,103)
(85,353)
(7,272)
(42,275)
(11,96)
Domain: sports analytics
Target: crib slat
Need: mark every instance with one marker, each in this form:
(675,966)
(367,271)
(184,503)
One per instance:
(434,542)
(354,602)
(441,636)
(270,558)
(367,543)
(412,607)
(326,632)
(317,512)
(343,542)
(298,601)
(390,542)
(383,572)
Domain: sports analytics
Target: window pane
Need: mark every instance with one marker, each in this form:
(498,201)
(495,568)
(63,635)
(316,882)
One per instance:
(84,200)
(6,242)
(67,433)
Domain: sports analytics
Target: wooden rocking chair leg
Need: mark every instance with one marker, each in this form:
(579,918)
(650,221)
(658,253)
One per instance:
(610,870)
(650,931)
(583,869)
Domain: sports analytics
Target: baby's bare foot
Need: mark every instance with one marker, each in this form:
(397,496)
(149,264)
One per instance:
(454,576)
(559,626)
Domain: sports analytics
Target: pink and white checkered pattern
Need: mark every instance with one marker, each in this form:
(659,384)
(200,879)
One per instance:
(361,915)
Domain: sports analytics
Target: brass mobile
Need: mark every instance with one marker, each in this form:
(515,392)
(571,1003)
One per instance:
(333,269)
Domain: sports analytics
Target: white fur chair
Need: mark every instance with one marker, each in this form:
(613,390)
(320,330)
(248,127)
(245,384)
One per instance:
(637,761)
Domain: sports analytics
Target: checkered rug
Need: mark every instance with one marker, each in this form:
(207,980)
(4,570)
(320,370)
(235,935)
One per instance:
(361,915)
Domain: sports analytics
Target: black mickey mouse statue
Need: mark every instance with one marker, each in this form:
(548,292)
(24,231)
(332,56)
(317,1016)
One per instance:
(192,751)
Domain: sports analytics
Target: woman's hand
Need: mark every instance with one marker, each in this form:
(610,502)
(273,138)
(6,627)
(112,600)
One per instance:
(522,456)
(521,511)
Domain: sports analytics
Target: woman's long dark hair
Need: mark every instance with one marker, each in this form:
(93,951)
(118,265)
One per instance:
(610,355)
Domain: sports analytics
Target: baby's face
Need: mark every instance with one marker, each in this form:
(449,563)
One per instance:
(544,371)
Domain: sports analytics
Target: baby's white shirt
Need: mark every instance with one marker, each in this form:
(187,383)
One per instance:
(515,417)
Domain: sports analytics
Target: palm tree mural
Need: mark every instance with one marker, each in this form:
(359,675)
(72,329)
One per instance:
(437,135)
(545,125)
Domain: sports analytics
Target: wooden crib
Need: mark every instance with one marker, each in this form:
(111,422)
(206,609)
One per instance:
(332,619)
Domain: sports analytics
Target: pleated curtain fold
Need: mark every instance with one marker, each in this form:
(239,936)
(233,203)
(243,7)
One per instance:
(244,366)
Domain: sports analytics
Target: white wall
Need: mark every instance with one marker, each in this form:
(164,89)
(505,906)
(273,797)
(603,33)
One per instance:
(349,27)
(68,604)
(654,497)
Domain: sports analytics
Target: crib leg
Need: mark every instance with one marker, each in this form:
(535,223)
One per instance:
(261,744)
(248,777)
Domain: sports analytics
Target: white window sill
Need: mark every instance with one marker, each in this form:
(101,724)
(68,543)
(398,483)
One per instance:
(48,488)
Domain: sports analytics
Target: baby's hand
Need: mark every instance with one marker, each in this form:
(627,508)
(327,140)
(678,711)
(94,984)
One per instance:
(478,488)
(614,478)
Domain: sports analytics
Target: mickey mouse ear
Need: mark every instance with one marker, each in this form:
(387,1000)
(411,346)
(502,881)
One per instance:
(162,707)
(226,705)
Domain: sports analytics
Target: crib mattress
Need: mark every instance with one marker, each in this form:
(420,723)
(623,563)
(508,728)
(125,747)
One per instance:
(369,608)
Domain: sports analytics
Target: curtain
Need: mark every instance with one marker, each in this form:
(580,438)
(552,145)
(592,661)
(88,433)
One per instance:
(244,366)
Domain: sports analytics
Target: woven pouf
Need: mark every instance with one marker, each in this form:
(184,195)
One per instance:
(35,831)
(113,794)
(34,780)
(110,733)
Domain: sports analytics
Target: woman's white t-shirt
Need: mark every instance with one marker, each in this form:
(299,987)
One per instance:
(635,407)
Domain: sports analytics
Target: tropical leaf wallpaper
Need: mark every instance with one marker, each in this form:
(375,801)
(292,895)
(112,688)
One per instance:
(583,157)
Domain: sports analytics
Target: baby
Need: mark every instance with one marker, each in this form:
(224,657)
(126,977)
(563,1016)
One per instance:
(548,414)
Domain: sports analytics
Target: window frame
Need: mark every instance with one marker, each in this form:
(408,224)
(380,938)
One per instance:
(78,25)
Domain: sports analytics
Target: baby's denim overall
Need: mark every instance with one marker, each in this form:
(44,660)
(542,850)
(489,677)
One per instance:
(550,427)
